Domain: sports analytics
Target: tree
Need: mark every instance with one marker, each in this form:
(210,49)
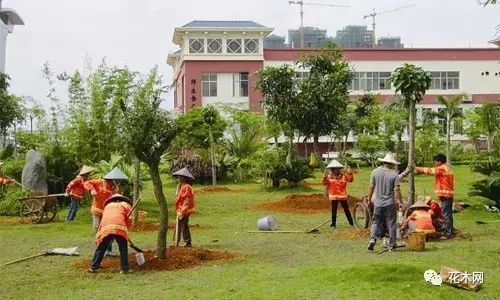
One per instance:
(451,112)
(483,121)
(149,130)
(210,115)
(194,130)
(412,82)
(33,110)
(324,94)
(10,107)
(277,85)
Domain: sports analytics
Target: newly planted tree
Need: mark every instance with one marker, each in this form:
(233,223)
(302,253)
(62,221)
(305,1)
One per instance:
(148,132)
(210,115)
(451,112)
(412,82)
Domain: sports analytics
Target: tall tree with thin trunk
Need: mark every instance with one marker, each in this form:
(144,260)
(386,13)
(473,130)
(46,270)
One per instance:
(451,112)
(412,82)
(210,115)
(148,131)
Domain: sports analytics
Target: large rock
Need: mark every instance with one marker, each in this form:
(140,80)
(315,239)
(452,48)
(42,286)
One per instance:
(34,175)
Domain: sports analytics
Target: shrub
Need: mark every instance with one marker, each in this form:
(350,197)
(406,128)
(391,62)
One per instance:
(200,169)
(9,203)
(300,170)
(488,188)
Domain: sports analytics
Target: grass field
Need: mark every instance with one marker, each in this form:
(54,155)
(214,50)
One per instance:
(268,266)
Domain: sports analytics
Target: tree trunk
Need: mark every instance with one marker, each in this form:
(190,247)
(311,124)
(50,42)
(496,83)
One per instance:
(448,142)
(137,180)
(212,156)
(411,153)
(31,124)
(161,241)
(289,156)
(305,146)
(316,148)
(15,140)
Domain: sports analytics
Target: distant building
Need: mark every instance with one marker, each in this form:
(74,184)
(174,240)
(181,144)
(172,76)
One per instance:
(313,37)
(274,42)
(354,36)
(389,42)
(8,18)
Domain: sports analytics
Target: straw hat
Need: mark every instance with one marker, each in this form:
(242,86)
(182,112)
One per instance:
(334,164)
(115,197)
(419,204)
(184,172)
(85,170)
(116,174)
(390,158)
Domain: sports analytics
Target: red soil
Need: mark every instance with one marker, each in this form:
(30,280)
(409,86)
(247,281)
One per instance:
(177,258)
(304,204)
(352,234)
(214,189)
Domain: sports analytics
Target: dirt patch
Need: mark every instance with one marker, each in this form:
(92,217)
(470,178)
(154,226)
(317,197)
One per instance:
(303,204)
(352,234)
(149,226)
(306,183)
(216,189)
(178,258)
(11,220)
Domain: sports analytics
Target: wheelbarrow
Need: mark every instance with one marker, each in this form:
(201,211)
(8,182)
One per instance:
(37,209)
(362,213)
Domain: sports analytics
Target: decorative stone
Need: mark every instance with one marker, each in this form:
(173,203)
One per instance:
(34,176)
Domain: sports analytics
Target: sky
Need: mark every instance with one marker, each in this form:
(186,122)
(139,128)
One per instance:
(138,34)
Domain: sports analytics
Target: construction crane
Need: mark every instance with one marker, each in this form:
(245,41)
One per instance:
(374,14)
(302,3)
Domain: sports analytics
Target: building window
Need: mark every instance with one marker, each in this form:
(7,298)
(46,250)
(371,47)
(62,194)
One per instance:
(240,85)
(233,46)
(214,45)
(196,45)
(445,81)
(368,81)
(251,46)
(209,84)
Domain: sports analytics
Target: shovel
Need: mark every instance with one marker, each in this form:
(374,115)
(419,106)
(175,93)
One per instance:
(139,256)
(56,251)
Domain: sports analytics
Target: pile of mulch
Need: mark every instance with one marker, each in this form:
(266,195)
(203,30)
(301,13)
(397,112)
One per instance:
(177,258)
(352,234)
(149,226)
(304,204)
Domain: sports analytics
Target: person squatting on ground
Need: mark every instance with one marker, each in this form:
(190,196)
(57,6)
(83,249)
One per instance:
(384,188)
(419,219)
(100,190)
(114,225)
(75,191)
(444,189)
(184,205)
(336,183)
(437,214)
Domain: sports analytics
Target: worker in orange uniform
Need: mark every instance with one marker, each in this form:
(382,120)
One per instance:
(4,181)
(114,226)
(184,205)
(420,218)
(75,191)
(100,190)
(437,214)
(336,182)
(444,189)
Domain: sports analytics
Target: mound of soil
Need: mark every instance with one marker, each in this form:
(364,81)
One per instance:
(149,226)
(352,234)
(304,204)
(214,189)
(178,258)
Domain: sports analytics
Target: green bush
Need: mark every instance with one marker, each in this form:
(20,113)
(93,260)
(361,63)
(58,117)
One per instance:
(13,168)
(300,170)
(462,153)
(489,187)
(201,170)
(9,203)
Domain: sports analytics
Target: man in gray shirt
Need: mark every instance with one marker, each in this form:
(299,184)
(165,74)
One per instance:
(384,188)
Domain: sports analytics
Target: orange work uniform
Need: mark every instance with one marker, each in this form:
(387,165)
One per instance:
(337,186)
(423,220)
(444,185)
(101,189)
(436,209)
(184,202)
(114,221)
(5,181)
(76,188)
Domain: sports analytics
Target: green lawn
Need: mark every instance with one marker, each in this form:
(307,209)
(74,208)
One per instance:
(269,266)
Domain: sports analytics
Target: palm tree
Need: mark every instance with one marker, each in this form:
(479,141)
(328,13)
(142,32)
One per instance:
(412,82)
(450,113)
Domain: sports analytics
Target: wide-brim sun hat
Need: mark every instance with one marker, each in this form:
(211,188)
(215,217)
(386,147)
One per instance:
(115,197)
(419,204)
(334,164)
(116,174)
(184,172)
(85,170)
(390,158)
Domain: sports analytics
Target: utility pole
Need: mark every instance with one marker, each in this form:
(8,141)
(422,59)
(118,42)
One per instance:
(374,14)
(301,3)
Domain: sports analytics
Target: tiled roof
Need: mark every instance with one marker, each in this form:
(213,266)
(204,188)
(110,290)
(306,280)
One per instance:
(222,24)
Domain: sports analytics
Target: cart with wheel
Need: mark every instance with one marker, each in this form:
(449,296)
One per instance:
(38,208)
(362,213)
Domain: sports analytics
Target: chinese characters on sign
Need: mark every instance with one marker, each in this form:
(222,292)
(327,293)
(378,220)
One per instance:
(193,92)
(459,277)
